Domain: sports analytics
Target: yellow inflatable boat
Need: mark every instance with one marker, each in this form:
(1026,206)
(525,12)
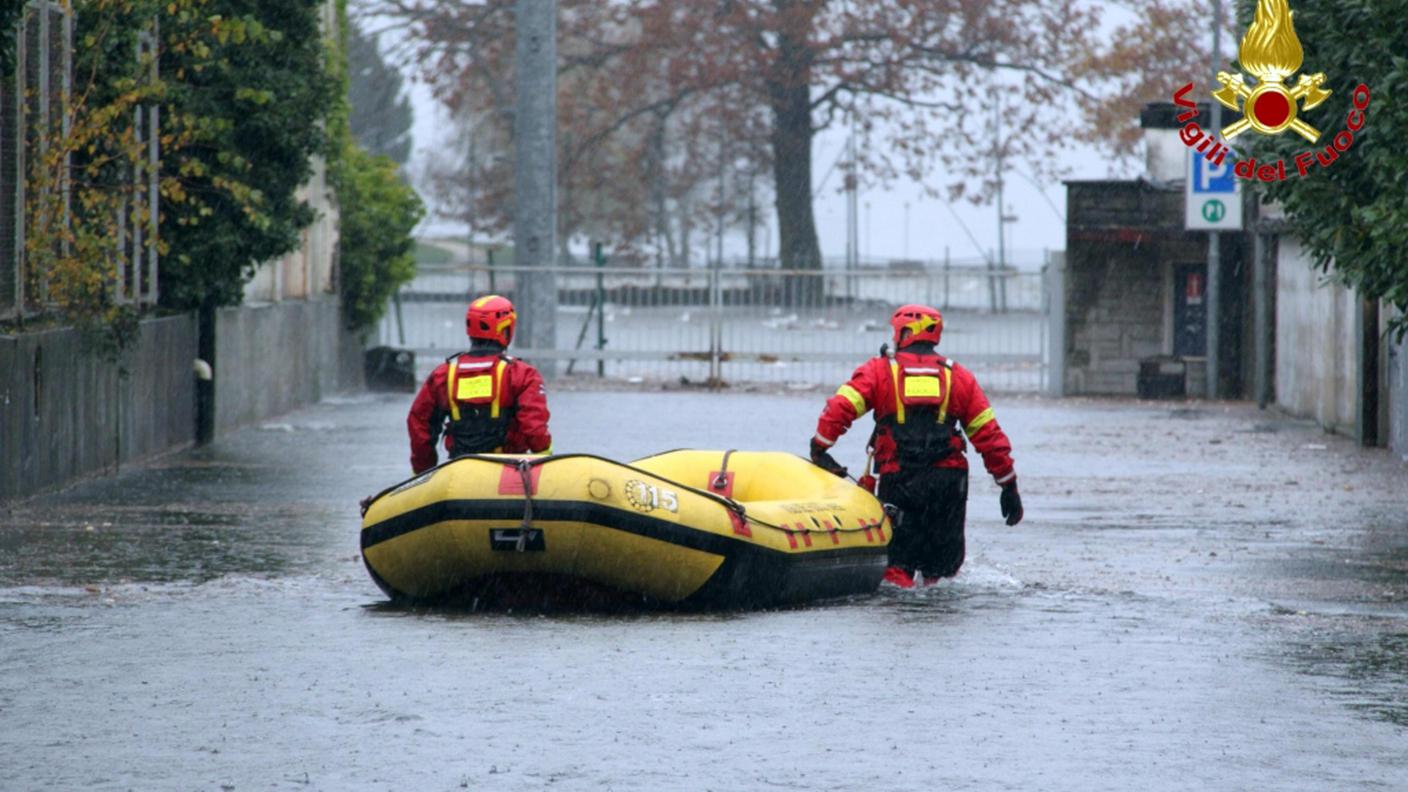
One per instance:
(692,529)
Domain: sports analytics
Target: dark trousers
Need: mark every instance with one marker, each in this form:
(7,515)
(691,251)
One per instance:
(928,531)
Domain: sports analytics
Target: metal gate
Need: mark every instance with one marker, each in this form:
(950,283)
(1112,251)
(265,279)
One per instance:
(729,326)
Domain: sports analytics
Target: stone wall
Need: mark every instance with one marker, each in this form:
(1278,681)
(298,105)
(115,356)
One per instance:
(1123,238)
(1114,309)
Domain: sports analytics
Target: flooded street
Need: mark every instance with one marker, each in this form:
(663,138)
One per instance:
(1201,597)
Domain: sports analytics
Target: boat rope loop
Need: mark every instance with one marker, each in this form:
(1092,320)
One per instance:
(719,485)
(737,508)
(525,470)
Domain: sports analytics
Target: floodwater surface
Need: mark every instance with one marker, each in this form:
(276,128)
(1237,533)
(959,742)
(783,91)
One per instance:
(1201,597)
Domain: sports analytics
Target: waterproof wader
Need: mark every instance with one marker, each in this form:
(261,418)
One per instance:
(928,534)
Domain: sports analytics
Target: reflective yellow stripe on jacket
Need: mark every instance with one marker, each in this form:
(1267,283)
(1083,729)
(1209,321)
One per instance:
(450,384)
(853,396)
(948,391)
(498,389)
(979,421)
(895,379)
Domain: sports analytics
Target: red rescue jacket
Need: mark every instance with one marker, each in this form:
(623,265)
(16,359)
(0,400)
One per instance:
(932,386)
(499,404)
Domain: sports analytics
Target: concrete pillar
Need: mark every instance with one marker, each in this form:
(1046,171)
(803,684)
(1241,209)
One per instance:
(1263,323)
(1214,282)
(535,176)
(1056,324)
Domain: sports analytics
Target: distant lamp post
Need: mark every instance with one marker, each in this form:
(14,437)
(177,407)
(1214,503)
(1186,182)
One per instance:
(906,229)
(867,230)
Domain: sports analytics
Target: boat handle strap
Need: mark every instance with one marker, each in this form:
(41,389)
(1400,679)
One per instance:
(721,480)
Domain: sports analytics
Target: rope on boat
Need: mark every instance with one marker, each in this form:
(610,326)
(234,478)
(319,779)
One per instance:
(526,465)
(525,471)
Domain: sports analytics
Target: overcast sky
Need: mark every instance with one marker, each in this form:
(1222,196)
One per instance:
(930,222)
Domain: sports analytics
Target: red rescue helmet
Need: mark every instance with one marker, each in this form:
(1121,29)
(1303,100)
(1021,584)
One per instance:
(915,323)
(491,318)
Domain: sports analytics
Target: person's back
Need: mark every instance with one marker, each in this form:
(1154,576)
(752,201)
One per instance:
(924,404)
(481,400)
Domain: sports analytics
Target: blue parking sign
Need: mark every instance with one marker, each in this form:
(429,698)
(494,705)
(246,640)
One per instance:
(1212,196)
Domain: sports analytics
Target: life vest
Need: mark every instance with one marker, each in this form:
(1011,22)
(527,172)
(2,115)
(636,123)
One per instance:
(479,420)
(920,424)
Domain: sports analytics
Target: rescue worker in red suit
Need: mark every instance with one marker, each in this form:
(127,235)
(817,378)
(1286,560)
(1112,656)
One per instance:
(924,404)
(482,400)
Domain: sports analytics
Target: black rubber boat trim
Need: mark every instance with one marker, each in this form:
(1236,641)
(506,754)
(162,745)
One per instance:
(511,513)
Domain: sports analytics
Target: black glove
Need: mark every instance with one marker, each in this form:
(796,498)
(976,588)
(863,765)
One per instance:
(1011,502)
(822,458)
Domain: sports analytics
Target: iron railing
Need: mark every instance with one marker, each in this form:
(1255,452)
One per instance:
(719,326)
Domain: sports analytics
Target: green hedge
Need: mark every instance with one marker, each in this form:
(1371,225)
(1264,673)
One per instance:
(379,212)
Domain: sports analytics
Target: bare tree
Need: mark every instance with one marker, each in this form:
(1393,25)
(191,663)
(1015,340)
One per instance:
(920,79)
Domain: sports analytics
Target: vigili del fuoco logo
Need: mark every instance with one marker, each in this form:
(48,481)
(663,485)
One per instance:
(1272,53)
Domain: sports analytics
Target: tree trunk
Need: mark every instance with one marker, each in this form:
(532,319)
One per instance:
(683,206)
(789,93)
(792,170)
(664,243)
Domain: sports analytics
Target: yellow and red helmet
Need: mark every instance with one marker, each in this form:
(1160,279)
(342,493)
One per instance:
(915,323)
(491,318)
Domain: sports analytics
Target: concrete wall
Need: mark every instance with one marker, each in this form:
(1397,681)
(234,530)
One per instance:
(1397,376)
(308,272)
(1319,361)
(66,414)
(273,358)
(1317,342)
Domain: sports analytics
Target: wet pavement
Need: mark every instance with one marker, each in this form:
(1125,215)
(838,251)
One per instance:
(1201,597)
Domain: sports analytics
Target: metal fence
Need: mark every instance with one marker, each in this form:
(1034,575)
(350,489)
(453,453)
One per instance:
(34,99)
(716,326)
(36,107)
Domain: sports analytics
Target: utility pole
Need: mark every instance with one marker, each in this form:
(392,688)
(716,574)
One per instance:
(719,217)
(1001,246)
(469,206)
(1001,221)
(752,219)
(1214,314)
(868,241)
(535,174)
(1214,296)
(1003,218)
(852,209)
